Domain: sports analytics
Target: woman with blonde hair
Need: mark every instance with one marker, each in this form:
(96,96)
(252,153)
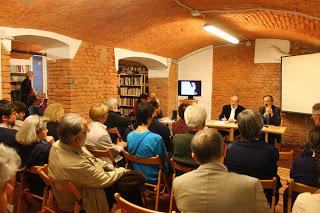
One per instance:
(9,165)
(98,137)
(54,113)
(33,148)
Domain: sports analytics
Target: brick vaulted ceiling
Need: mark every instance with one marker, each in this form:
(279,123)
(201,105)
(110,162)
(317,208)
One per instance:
(163,27)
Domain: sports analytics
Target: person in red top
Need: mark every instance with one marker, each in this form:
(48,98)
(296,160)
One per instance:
(180,126)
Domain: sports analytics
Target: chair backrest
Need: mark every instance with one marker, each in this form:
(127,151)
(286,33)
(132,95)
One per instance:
(271,184)
(43,172)
(68,187)
(127,207)
(115,131)
(147,161)
(286,156)
(178,167)
(100,153)
(298,187)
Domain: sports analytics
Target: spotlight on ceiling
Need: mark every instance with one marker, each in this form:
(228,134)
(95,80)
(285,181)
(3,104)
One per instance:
(218,32)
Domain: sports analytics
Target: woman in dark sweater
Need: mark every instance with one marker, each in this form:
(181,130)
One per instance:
(33,148)
(250,156)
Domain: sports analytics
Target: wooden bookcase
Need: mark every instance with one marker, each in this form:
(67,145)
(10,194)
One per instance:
(18,69)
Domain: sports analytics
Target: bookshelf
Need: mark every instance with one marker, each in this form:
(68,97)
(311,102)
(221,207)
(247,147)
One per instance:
(18,69)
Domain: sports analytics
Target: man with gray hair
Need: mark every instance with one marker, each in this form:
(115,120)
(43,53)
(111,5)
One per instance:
(316,114)
(69,160)
(210,188)
(195,117)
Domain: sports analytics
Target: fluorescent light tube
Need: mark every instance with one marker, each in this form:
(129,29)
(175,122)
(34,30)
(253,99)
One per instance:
(218,32)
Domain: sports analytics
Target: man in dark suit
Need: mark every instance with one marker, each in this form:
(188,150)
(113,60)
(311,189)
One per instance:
(271,116)
(230,112)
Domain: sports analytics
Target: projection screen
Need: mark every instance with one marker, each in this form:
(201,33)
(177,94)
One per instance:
(300,83)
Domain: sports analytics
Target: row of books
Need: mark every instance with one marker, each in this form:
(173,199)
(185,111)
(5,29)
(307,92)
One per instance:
(127,101)
(20,68)
(130,91)
(125,111)
(130,81)
(15,78)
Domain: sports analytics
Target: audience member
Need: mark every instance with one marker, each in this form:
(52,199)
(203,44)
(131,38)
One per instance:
(210,188)
(33,148)
(271,116)
(316,114)
(26,90)
(180,126)
(231,111)
(7,119)
(306,168)
(9,164)
(143,143)
(195,117)
(143,98)
(35,107)
(116,119)
(96,179)
(20,109)
(159,128)
(251,156)
(307,203)
(98,136)
(54,112)
(153,96)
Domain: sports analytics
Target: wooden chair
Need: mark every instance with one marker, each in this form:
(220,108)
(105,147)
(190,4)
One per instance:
(298,187)
(271,184)
(102,153)
(177,167)
(150,161)
(115,131)
(23,189)
(66,186)
(284,173)
(127,207)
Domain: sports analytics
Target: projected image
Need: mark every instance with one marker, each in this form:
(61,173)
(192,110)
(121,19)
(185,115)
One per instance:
(188,88)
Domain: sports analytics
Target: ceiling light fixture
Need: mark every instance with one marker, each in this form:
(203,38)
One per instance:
(220,33)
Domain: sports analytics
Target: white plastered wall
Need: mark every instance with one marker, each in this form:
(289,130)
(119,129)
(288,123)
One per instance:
(198,66)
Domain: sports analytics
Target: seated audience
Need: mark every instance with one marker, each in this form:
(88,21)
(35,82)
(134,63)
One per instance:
(20,109)
(305,169)
(7,119)
(116,119)
(153,96)
(9,164)
(35,108)
(143,143)
(251,156)
(195,117)
(98,136)
(143,98)
(96,179)
(316,114)
(180,126)
(33,148)
(54,113)
(160,128)
(271,116)
(211,188)
(307,203)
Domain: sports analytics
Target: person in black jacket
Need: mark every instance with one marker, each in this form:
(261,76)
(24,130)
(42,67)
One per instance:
(231,111)
(271,116)
(251,156)
(160,128)
(7,119)
(116,119)
(26,90)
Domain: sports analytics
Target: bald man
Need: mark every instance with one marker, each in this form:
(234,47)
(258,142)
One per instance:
(230,112)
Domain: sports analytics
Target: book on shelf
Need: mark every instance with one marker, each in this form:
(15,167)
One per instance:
(130,91)
(130,81)
(127,102)
(125,111)
(19,68)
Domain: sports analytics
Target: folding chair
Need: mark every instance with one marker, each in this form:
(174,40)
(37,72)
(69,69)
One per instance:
(284,173)
(102,153)
(115,131)
(298,187)
(271,184)
(177,167)
(150,161)
(127,207)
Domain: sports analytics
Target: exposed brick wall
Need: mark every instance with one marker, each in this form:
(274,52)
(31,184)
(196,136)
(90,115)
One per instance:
(5,73)
(87,79)
(166,90)
(18,45)
(234,72)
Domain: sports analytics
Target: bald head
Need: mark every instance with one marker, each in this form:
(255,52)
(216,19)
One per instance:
(234,101)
